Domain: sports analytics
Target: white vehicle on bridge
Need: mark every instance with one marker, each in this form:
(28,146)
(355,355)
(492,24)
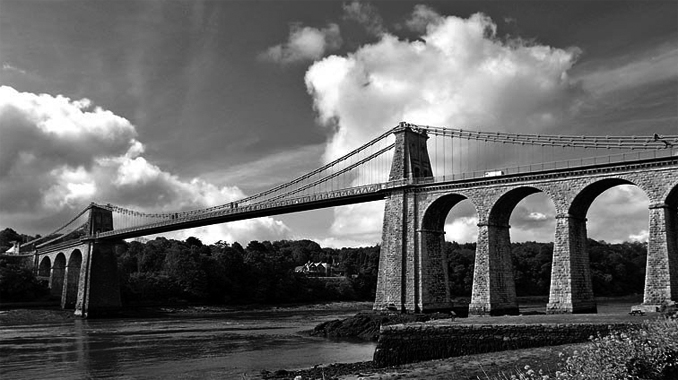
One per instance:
(494,173)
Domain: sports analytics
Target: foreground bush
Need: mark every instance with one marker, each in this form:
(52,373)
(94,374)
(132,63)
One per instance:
(649,352)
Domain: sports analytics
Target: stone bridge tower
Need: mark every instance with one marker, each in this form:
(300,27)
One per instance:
(407,280)
(98,287)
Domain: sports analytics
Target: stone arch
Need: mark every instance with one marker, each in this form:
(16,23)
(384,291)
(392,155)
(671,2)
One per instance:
(494,289)
(434,215)
(72,278)
(434,265)
(501,210)
(582,201)
(56,281)
(45,267)
(571,284)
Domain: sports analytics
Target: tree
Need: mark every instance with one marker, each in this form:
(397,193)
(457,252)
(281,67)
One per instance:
(7,236)
(194,241)
(183,264)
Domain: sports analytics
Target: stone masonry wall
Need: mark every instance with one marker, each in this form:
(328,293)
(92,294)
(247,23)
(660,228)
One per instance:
(99,288)
(662,258)
(413,342)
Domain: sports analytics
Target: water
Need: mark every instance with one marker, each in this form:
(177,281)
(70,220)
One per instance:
(216,346)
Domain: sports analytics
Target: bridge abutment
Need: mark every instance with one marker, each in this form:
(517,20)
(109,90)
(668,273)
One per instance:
(571,289)
(98,285)
(661,278)
(494,291)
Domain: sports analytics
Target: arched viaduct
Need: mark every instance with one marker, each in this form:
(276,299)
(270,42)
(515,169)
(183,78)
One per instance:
(413,270)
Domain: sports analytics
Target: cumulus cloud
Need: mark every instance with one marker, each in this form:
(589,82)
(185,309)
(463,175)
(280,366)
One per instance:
(421,18)
(537,216)
(304,44)
(358,222)
(57,155)
(241,231)
(462,76)
(459,74)
(365,15)
(642,236)
(462,230)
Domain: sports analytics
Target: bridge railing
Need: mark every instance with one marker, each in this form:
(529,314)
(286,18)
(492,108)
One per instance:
(552,165)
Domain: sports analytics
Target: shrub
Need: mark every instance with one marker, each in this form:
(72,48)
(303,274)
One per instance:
(649,352)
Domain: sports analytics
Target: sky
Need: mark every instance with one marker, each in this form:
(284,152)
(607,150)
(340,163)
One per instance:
(176,105)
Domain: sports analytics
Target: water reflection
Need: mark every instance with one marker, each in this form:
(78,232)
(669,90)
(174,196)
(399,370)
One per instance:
(221,346)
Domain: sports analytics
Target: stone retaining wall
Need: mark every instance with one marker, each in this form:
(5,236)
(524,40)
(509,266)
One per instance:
(408,343)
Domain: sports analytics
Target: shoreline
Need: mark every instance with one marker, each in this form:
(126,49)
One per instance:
(36,313)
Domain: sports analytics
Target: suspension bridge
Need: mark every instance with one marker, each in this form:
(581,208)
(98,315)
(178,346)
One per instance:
(421,172)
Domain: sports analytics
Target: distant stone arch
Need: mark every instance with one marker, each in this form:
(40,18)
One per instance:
(72,280)
(45,267)
(56,282)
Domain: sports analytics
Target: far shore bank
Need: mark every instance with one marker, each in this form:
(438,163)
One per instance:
(50,312)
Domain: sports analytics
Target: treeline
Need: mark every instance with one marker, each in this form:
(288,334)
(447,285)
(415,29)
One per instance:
(18,283)
(263,272)
(164,270)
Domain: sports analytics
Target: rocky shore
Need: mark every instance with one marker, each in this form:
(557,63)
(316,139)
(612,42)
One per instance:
(365,325)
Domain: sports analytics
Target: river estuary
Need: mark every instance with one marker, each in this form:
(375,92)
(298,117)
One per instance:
(222,345)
